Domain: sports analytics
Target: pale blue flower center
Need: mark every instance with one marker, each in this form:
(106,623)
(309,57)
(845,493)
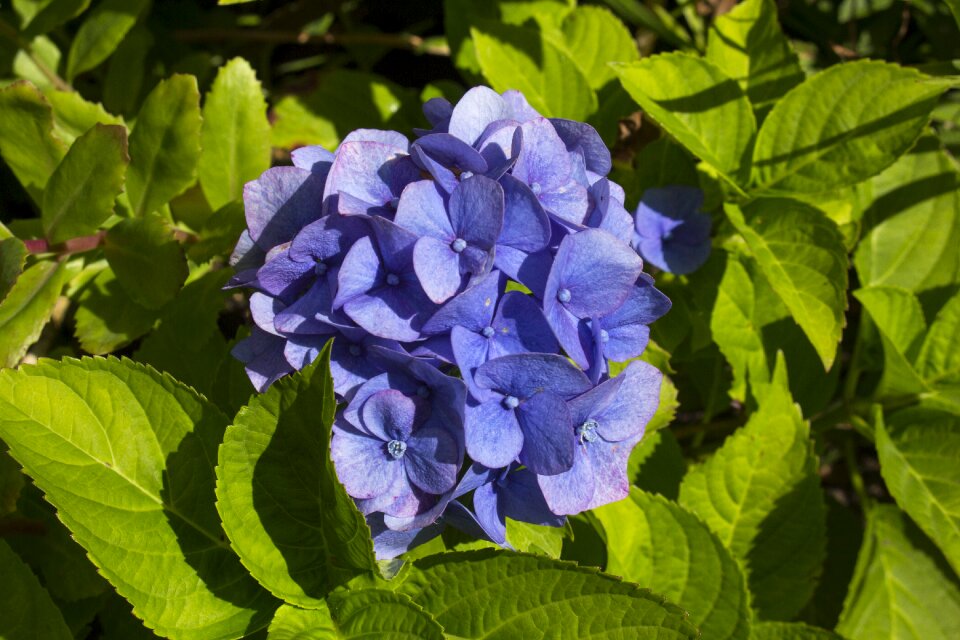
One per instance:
(423,391)
(563,295)
(320,268)
(587,432)
(536,188)
(396,448)
(393,279)
(604,336)
(355,350)
(511,402)
(466,174)
(488,332)
(458,245)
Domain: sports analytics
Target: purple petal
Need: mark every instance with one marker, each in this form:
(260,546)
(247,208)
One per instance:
(395,245)
(328,239)
(247,254)
(493,435)
(525,224)
(284,277)
(543,160)
(303,350)
(262,353)
(627,415)
(569,202)
(443,177)
(438,268)
(520,327)
(391,312)
(570,493)
(522,499)
(423,210)
(432,459)
(476,109)
(500,146)
(388,544)
(400,500)
(264,309)
(389,415)
(391,138)
(581,138)
(529,269)
(609,463)
(312,313)
(452,152)
(438,111)
(523,375)
(349,364)
(548,441)
(472,309)
(470,350)
(520,109)
(281,202)
(371,172)
(584,261)
(571,332)
(489,515)
(476,211)
(360,272)
(364,467)
(313,158)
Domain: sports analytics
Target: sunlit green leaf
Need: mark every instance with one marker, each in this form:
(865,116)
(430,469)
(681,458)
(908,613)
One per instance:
(27,308)
(101,32)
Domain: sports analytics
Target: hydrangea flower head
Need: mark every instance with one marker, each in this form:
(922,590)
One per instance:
(476,283)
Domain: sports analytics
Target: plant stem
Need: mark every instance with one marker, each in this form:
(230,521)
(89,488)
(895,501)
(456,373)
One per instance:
(394,40)
(853,469)
(11,34)
(89,243)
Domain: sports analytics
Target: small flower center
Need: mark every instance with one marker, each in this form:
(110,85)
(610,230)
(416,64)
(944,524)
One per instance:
(423,391)
(393,279)
(355,350)
(458,245)
(511,402)
(536,188)
(466,174)
(488,332)
(320,268)
(587,432)
(604,336)
(563,295)
(396,448)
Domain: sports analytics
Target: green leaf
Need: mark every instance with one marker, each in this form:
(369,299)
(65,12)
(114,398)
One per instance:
(734,329)
(107,318)
(954,9)
(367,613)
(187,342)
(939,359)
(51,14)
(534,538)
(918,450)
(656,543)
(657,465)
(54,555)
(284,510)
(27,142)
(760,493)
(26,610)
(11,482)
(28,307)
(790,631)
(344,101)
(147,259)
(82,189)
(13,254)
(73,116)
(101,33)
(700,106)
(595,37)
(43,51)
(801,254)
(235,137)
(125,455)
(914,222)
(748,45)
(843,125)
(899,591)
(164,144)
(462,589)
(899,318)
(122,87)
(519,58)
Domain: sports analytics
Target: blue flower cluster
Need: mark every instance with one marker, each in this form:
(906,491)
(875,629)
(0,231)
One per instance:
(477,283)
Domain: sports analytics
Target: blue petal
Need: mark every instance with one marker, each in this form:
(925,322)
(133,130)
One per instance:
(477,210)
(493,435)
(264,309)
(548,439)
(489,514)
(360,272)
(520,327)
(363,465)
(432,459)
(371,172)
(313,158)
(476,109)
(470,350)
(525,224)
(391,138)
(443,177)
(452,152)
(423,211)
(570,493)
(284,277)
(388,544)
(438,111)
(634,405)
(529,269)
(522,499)
(581,138)
(262,353)
(572,333)
(520,109)
(500,146)
(328,239)
(524,375)
(391,312)
(438,268)
(472,309)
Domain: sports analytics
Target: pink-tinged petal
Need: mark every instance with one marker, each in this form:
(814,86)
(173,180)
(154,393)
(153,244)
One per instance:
(438,268)
(360,272)
(391,138)
(636,402)
(432,459)
(609,462)
(476,109)
(363,465)
(548,440)
(493,435)
(389,415)
(571,492)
